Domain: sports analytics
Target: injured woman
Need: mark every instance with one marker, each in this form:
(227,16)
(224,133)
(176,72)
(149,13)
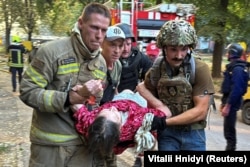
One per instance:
(124,122)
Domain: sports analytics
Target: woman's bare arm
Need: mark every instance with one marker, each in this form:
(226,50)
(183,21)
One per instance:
(152,100)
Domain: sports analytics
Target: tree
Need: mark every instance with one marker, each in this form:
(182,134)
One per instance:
(219,39)
(10,12)
(212,23)
(58,24)
(28,17)
(55,17)
(224,21)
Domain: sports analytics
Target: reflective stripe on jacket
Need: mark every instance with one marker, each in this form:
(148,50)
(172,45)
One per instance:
(16,52)
(56,68)
(53,137)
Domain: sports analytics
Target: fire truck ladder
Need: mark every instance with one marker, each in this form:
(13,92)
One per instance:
(130,13)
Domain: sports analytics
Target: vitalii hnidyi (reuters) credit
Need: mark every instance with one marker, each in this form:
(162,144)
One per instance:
(196,158)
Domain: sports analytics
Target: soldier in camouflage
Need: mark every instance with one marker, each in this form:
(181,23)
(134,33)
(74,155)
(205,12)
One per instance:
(182,84)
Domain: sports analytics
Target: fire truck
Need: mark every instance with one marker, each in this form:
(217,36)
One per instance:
(146,22)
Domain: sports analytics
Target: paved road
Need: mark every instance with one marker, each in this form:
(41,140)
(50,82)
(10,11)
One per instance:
(15,120)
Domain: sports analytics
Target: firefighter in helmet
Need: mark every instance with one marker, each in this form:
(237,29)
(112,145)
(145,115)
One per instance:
(233,87)
(135,64)
(16,52)
(239,47)
(181,83)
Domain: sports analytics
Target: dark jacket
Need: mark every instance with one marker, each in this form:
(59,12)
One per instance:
(16,51)
(234,85)
(134,69)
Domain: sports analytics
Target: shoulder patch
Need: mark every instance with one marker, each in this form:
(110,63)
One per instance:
(38,64)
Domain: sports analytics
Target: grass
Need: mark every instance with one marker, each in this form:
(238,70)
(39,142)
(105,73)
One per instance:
(3,148)
(2,49)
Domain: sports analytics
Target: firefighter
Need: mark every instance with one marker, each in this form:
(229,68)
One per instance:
(47,84)
(16,61)
(243,54)
(181,83)
(233,87)
(135,64)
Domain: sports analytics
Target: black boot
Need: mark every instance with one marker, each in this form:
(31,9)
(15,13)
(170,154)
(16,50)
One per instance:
(230,148)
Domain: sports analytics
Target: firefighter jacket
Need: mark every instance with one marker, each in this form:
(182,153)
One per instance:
(16,51)
(134,69)
(58,66)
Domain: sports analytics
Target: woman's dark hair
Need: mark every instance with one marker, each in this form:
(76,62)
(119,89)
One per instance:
(103,135)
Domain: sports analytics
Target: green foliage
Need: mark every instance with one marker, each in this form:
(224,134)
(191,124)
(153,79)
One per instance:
(28,16)
(211,15)
(3,148)
(10,10)
(62,16)
(43,6)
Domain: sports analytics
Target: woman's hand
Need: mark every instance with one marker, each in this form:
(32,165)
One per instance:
(76,107)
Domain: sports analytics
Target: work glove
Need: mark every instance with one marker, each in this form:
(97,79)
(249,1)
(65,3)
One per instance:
(159,123)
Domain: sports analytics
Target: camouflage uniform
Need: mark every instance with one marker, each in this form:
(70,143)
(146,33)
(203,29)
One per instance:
(177,91)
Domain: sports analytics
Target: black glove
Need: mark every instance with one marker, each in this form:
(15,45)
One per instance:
(159,123)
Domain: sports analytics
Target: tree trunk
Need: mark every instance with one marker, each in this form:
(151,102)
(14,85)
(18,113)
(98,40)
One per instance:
(217,59)
(30,35)
(219,41)
(7,38)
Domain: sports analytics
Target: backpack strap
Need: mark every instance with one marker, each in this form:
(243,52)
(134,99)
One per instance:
(157,70)
(109,91)
(192,70)
(189,68)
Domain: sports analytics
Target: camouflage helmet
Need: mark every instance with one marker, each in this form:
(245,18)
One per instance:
(177,32)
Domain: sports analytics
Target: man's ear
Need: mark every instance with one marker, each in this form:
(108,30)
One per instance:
(80,23)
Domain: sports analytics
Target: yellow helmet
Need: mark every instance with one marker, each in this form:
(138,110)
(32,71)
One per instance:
(243,45)
(16,38)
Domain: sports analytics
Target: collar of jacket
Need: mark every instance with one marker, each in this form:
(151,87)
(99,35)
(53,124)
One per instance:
(79,47)
(234,63)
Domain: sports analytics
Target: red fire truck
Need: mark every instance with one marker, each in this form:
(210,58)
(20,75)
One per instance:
(146,22)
